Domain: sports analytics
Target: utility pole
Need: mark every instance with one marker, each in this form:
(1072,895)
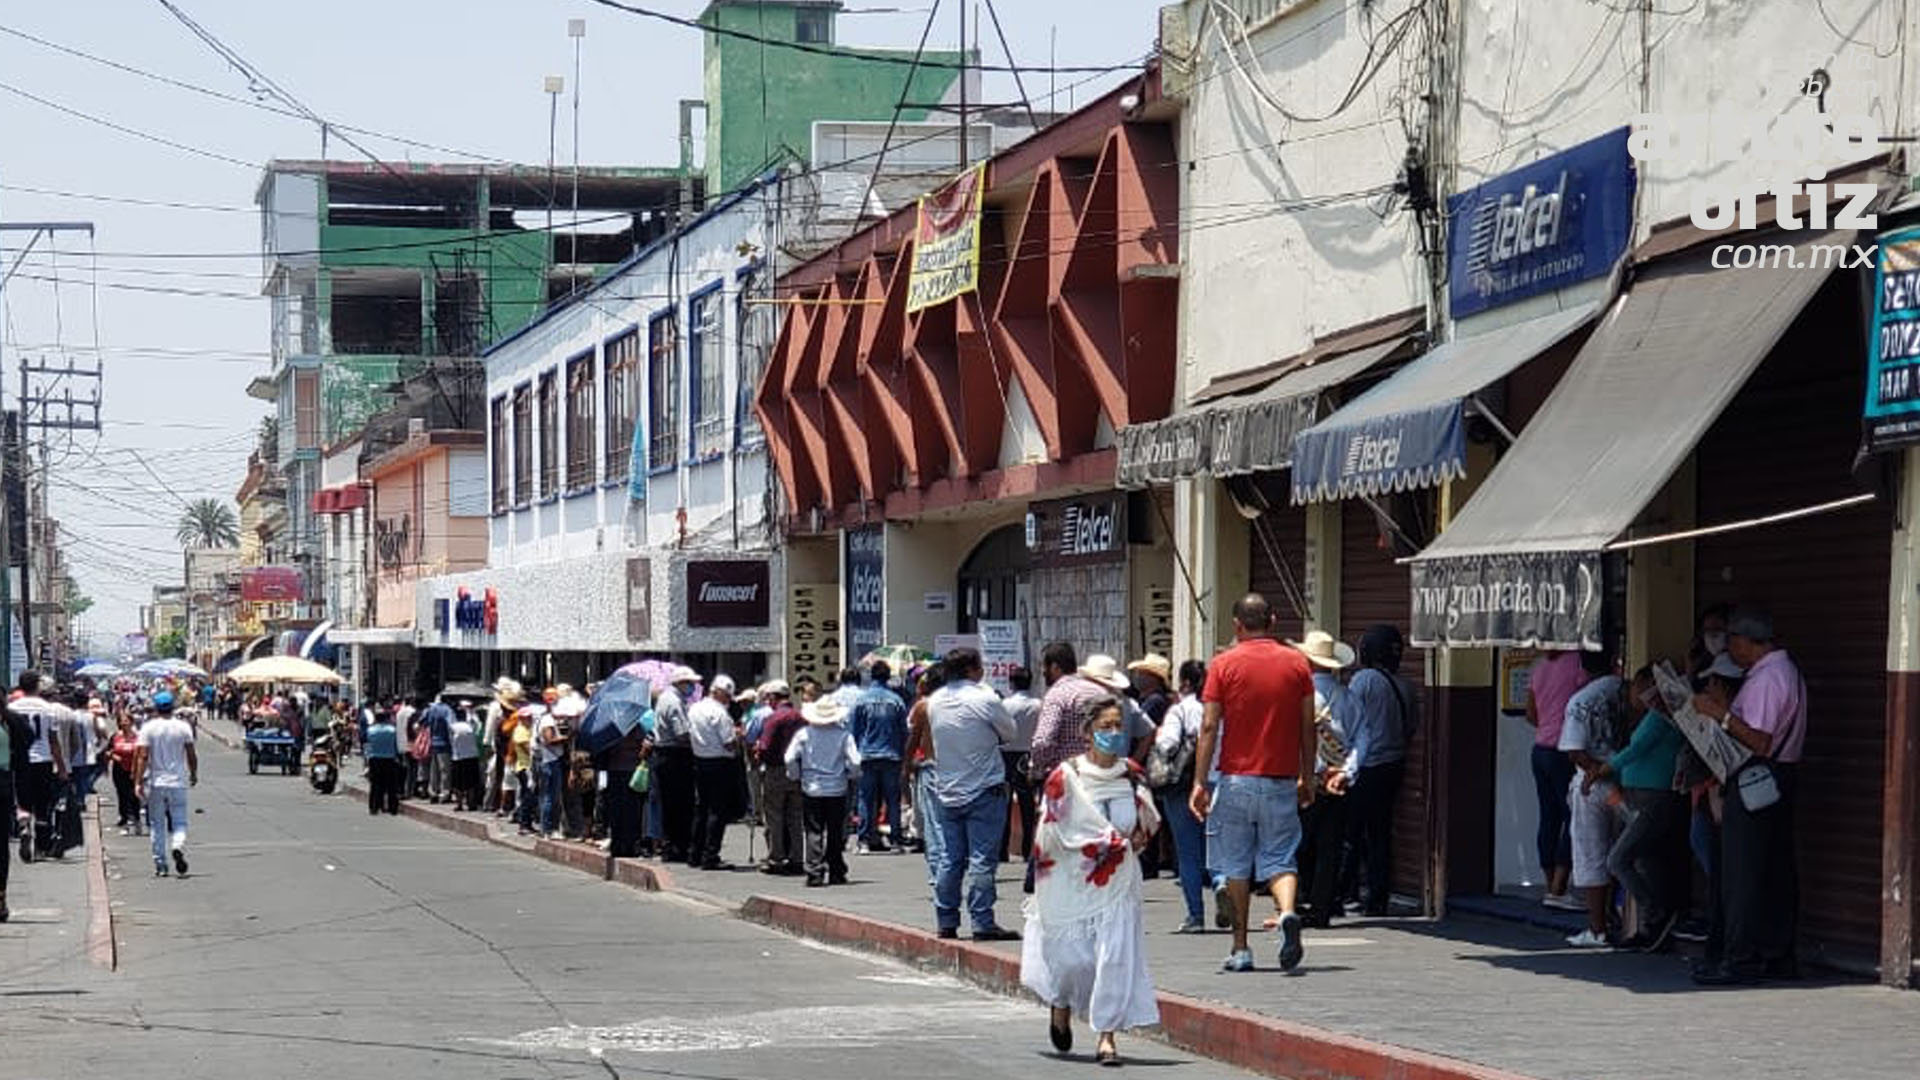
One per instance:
(966,152)
(36,231)
(577,30)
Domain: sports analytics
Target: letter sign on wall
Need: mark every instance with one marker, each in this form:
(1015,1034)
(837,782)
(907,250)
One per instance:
(728,593)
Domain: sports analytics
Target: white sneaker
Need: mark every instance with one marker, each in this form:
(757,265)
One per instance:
(1587,939)
(1562,902)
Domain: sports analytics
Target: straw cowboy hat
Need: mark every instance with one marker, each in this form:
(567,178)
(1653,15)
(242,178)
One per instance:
(823,712)
(1154,664)
(683,674)
(508,691)
(1104,670)
(1324,650)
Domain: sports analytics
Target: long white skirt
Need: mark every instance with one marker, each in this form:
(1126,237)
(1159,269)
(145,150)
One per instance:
(1101,975)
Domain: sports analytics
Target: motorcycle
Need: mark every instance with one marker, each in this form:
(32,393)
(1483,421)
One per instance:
(322,771)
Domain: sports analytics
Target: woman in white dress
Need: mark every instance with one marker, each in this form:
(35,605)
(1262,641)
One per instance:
(1085,947)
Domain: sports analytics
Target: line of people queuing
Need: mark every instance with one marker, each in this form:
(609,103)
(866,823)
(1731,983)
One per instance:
(1624,798)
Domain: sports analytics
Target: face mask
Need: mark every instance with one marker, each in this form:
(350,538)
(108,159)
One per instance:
(1715,641)
(1111,742)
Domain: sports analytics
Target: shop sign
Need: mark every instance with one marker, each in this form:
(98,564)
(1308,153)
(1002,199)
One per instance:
(1548,600)
(1002,648)
(946,242)
(1893,362)
(813,634)
(1157,619)
(1078,532)
(1561,220)
(937,600)
(639,599)
(476,614)
(1162,452)
(271,584)
(863,575)
(728,593)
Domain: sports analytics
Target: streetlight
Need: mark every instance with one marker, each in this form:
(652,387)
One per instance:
(555,85)
(577,30)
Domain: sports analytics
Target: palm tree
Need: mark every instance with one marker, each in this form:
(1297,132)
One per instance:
(208,523)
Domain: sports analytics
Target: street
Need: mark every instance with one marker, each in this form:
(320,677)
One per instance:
(310,941)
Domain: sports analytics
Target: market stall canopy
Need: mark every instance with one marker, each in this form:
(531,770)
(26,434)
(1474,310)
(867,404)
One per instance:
(284,669)
(1409,432)
(1520,565)
(1248,433)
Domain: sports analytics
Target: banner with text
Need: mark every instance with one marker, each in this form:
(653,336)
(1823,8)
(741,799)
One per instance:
(813,634)
(863,576)
(1893,360)
(1547,600)
(1002,648)
(946,242)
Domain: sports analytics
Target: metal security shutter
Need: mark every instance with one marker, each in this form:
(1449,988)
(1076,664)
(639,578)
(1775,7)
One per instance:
(1374,589)
(1788,440)
(1286,528)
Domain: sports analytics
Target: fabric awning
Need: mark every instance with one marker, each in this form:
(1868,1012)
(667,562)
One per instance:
(1237,435)
(1520,565)
(1410,431)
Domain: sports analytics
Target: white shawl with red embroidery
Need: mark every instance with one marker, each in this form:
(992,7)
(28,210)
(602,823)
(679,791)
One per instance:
(1083,865)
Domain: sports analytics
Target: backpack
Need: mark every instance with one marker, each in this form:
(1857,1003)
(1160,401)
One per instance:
(1172,768)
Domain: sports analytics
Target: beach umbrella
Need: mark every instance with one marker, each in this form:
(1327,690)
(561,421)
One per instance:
(285,669)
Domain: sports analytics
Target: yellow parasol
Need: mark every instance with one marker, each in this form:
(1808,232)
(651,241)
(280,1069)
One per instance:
(284,669)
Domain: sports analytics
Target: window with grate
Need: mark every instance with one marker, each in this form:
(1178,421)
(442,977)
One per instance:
(523,445)
(813,26)
(623,400)
(549,405)
(583,395)
(759,326)
(706,360)
(497,444)
(663,393)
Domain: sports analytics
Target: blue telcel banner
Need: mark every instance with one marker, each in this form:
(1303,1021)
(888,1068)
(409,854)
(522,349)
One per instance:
(1562,219)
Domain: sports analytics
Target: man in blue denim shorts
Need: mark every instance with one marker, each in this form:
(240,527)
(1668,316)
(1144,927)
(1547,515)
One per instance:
(1263,690)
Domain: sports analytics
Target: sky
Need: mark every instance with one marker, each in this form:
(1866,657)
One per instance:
(166,296)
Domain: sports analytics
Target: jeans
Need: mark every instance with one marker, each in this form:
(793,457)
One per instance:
(927,811)
(167,816)
(718,784)
(1370,830)
(523,798)
(553,792)
(826,823)
(1760,884)
(1638,857)
(1189,849)
(1323,845)
(1702,839)
(879,786)
(783,809)
(1553,842)
(439,774)
(124,792)
(383,785)
(673,781)
(1020,790)
(969,846)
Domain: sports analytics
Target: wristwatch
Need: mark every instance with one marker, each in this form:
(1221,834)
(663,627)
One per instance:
(1726,722)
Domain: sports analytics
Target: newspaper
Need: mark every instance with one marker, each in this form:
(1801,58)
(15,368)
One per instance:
(1722,752)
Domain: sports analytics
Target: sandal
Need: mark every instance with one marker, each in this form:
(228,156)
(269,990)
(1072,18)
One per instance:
(1108,1056)
(1060,1034)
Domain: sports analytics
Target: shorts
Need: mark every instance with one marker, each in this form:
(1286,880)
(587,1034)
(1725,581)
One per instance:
(1592,829)
(1253,831)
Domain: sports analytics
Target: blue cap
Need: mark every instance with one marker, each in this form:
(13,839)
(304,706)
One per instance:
(163,700)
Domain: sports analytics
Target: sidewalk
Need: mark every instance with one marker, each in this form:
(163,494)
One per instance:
(1377,997)
(58,939)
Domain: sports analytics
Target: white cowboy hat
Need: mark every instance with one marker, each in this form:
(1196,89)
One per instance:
(825,711)
(1154,664)
(721,684)
(1104,670)
(775,688)
(1324,650)
(683,674)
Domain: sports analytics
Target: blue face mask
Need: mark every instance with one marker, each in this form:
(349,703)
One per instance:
(1111,742)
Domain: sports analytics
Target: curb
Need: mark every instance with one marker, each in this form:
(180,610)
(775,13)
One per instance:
(102,950)
(1259,1044)
(587,860)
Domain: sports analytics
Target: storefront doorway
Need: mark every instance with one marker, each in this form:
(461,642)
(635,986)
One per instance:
(993,579)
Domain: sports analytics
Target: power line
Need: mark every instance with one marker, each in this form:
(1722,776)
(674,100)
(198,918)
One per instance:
(125,130)
(895,59)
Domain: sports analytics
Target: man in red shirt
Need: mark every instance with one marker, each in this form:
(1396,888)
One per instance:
(1263,692)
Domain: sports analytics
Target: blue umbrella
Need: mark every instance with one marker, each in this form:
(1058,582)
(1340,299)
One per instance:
(617,707)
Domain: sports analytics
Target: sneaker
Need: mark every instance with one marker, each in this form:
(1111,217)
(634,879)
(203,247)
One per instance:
(1662,935)
(1562,902)
(1193,925)
(862,849)
(159,868)
(1692,930)
(1291,949)
(180,861)
(1239,960)
(126,831)
(1587,939)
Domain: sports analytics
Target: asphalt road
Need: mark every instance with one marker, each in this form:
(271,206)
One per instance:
(313,941)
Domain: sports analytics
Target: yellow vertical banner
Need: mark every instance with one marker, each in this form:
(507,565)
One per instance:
(946,242)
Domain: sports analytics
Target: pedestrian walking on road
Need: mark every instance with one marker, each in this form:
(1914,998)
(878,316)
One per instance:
(165,766)
(715,741)
(122,750)
(823,758)
(46,771)
(968,726)
(673,775)
(784,806)
(1085,949)
(1262,691)
(1171,767)
(385,774)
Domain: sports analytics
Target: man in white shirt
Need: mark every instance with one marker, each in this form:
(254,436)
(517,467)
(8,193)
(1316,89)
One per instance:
(165,765)
(673,769)
(716,775)
(46,771)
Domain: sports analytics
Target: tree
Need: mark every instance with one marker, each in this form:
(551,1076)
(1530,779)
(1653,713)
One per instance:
(77,602)
(170,645)
(208,523)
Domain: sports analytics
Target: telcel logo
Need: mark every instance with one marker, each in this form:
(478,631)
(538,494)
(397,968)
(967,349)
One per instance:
(1367,453)
(1528,222)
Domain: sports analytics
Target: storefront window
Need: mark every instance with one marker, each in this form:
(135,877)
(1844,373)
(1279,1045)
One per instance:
(623,399)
